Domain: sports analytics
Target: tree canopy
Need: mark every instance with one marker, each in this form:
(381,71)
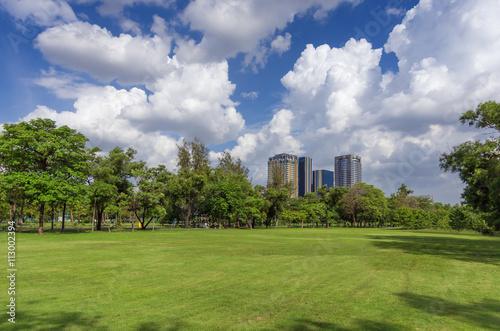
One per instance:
(42,164)
(478,162)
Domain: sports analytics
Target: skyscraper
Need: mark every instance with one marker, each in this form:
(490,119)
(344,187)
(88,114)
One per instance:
(289,167)
(322,177)
(347,170)
(305,175)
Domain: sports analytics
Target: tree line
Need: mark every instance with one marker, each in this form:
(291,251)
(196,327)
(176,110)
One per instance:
(45,168)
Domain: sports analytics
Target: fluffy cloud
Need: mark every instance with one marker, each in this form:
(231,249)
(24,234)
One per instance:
(189,99)
(97,116)
(89,48)
(281,44)
(40,12)
(329,84)
(250,95)
(240,26)
(193,99)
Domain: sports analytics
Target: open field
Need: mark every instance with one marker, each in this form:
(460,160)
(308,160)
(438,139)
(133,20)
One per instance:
(275,279)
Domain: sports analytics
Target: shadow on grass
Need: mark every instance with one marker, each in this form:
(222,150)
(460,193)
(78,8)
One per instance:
(71,320)
(172,326)
(484,314)
(54,321)
(361,324)
(485,250)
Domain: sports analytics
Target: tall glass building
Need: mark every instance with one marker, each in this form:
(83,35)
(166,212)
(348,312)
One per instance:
(289,166)
(305,175)
(348,170)
(322,177)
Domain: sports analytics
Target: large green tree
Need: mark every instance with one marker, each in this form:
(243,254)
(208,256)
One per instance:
(364,203)
(147,201)
(42,163)
(188,189)
(478,162)
(110,177)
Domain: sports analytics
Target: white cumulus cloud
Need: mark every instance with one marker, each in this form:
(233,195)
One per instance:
(40,12)
(94,50)
(230,27)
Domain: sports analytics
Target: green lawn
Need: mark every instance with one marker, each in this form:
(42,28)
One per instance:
(275,279)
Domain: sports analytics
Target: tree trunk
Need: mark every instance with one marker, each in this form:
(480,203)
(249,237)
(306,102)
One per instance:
(132,220)
(14,219)
(99,219)
(71,216)
(93,214)
(10,212)
(40,218)
(154,220)
(63,215)
(238,221)
(22,218)
(187,222)
(79,221)
(53,216)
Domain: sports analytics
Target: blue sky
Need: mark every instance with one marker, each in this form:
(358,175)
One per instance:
(383,79)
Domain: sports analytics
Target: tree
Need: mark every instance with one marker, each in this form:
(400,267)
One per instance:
(331,198)
(276,203)
(458,218)
(232,165)
(109,177)
(42,163)
(365,203)
(277,193)
(187,190)
(228,190)
(256,206)
(403,198)
(478,162)
(147,201)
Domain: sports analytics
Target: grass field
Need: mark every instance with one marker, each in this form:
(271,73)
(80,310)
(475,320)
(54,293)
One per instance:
(275,279)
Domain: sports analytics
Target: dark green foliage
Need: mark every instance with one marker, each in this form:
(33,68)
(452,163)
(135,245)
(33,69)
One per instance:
(149,202)
(364,204)
(42,164)
(110,178)
(478,163)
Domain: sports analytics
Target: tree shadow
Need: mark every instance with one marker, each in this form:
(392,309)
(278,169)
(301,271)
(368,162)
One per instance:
(172,326)
(360,324)
(485,250)
(484,314)
(52,321)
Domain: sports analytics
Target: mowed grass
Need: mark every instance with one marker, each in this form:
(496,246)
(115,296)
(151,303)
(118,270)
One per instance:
(274,279)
